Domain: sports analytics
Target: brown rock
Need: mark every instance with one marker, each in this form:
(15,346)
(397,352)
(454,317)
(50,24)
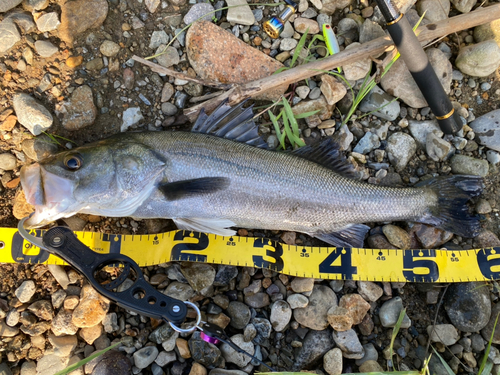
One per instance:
(80,110)
(332,89)
(216,54)
(92,308)
(325,110)
(62,325)
(9,123)
(90,334)
(183,347)
(12,184)
(397,236)
(74,61)
(80,15)
(356,306)
(486,238)
(430,237)
(21,208)
(221,319)
(378,241)
(339,319)
(302,24)
(366,326)
(197,369)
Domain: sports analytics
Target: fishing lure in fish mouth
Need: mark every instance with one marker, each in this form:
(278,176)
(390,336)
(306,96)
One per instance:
(331,41)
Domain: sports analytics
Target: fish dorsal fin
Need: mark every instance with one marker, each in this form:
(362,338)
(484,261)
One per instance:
(228,122)
(327,153)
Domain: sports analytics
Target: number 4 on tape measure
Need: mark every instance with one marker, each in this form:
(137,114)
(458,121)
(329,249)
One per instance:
(339,262)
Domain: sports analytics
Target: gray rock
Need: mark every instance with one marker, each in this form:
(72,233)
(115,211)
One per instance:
(169,109)
(109,48)
(468,306)
(435,11)
(219,371)
(179,291)
(45,49)
(112,362)
(257,300)
(349,343)
(371,354)
(462,164)
(263,330)
(79,111)
(314,346)
(446,334)
(158,38)
(332,362)
(8,161)
(343,137)
(437,148)
(488,329)
(164,358)
(131,116)
(288,31)
(25,291)
(50,364)
(487,129)
(479,60)
(287,44)
(9,35)
(420,129)
(241,13)
(368,143)
(6,5)
(399,82)
(204,352)
(110,323)
(199,10)
(370,30)
(281,313)
(400,149)
(198,275)
(349,29)
(232,356)
(297,301)
(493,157)
(48,22)
(23,20)
(145,356)
(239,314)
(224,275)
(464,6)
(378,98)
(314,315)
(170,57)
(357,69)
(6,331)
(389,313)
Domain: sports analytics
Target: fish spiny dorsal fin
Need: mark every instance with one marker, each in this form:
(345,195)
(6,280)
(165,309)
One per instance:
(228,122)
(327,153)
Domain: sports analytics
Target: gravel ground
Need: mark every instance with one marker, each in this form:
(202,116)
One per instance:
(67,70)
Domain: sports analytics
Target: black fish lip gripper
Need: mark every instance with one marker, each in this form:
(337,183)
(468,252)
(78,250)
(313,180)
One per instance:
(139,297)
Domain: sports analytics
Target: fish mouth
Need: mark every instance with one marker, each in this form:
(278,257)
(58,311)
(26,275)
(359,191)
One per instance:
(51,195)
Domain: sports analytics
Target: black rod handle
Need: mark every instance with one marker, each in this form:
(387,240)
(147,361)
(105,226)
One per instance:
(418,64)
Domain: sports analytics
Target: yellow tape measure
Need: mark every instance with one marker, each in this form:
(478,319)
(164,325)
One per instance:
(303,261)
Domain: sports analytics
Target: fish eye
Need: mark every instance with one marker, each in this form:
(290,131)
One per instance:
(73,162)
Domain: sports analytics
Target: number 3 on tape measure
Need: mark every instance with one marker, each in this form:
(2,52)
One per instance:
(274,251)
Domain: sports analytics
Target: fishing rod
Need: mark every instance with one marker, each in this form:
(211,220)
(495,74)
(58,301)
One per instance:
(418,64)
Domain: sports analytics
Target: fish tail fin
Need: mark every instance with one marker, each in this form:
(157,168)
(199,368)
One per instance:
(451,212)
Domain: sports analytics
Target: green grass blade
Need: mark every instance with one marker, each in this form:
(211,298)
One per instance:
(306,114)
(487,351)
(291,118)
(84,361)
(395,331)
(378,109)
(280,137)
(317,36)
(446,366)
(282,69)
(299,47)
(486,369)
(288,131)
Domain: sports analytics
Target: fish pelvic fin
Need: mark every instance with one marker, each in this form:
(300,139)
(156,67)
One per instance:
(327,153)
(352,235)
(215,226)
(189,188)
(451,212)
(235,123)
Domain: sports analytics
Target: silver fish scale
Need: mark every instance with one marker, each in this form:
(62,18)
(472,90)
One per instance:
(272,190)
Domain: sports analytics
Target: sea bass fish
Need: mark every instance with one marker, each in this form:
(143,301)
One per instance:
(220,175)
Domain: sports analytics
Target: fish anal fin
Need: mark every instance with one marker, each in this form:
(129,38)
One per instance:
(215,226)
(352,235)
(327,153)
(235,123)
(188,188)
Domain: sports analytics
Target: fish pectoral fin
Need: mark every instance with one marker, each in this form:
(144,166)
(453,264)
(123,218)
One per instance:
(349,236)
(327,153)
(215,226)
(189,188)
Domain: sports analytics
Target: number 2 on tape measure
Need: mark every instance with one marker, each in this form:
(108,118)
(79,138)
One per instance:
(345,268)
(180,251)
